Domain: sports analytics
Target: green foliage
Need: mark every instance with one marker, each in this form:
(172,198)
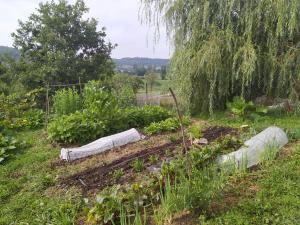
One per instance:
(126,97)
(59,45)
(105,209)
(151,79)
(229,48)
(138,165)
(170,124)
(297,108)
(153,159)
(120,80)
(7,145)
(104,119)
(118,174)
(66,101)
(141,117)
(19,112)
(195,131)
(240,107)
(116,203)
(79,127)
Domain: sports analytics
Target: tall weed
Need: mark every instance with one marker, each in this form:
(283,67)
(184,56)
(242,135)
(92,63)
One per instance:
(66,101)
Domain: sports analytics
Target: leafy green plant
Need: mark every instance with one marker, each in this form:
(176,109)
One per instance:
(79,127)
(96,122)
(195,131)
(18,112)
(141,117)
(153,159)
(7,145)
(66,101)
(105,209)
(138,165)
(117,174)
(170,124)
(240,107)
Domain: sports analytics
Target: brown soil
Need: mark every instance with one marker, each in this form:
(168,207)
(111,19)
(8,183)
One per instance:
(100,177)
(215,132)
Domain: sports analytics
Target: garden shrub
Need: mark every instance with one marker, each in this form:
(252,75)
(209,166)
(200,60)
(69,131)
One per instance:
(66,101)
(78,127)
(92,123)
(19,112)
(140,117)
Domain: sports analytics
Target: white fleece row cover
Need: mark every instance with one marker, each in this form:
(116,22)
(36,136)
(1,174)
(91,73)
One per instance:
(101,145)
(272,138)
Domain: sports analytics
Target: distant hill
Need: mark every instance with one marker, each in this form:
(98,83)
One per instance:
(141,61)
(10,51)
(130,65)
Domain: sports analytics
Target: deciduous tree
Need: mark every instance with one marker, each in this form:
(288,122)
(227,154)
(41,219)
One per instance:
(59,45)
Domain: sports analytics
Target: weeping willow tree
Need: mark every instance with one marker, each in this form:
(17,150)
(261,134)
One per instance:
(227,48)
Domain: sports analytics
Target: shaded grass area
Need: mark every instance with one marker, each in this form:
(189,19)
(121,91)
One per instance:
(270,195)
(25,187)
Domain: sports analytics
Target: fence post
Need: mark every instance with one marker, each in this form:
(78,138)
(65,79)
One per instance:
(146,93)
(47,104)
(80,88)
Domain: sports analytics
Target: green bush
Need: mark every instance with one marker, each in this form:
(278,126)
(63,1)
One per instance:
(78,127)
(81,127)
(66,101)
(19,112)
(170,124)
(144,116)
(7,144)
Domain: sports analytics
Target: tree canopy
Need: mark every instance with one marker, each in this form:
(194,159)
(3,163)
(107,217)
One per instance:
(59,45)
(232,47)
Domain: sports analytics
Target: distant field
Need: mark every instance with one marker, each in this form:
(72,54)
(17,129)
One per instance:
(162,87)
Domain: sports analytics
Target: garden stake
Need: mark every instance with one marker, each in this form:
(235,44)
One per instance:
(180,121)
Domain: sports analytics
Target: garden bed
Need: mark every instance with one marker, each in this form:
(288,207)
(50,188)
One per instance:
(101,176)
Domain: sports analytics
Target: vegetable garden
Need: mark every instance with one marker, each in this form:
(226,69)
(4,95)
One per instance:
(148,182)
(230,58)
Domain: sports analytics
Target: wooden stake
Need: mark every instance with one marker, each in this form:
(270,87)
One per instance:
(180,121)
(80,88)
(146,93)
(47,104)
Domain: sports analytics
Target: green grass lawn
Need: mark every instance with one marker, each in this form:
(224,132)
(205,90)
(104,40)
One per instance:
(26,196)
(270,195)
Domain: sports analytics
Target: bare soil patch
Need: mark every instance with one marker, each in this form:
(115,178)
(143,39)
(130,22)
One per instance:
(215,132)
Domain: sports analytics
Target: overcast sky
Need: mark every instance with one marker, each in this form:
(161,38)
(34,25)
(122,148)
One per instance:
(120,17)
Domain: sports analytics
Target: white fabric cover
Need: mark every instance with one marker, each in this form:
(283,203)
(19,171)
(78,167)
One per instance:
(252,151)
(101,145)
